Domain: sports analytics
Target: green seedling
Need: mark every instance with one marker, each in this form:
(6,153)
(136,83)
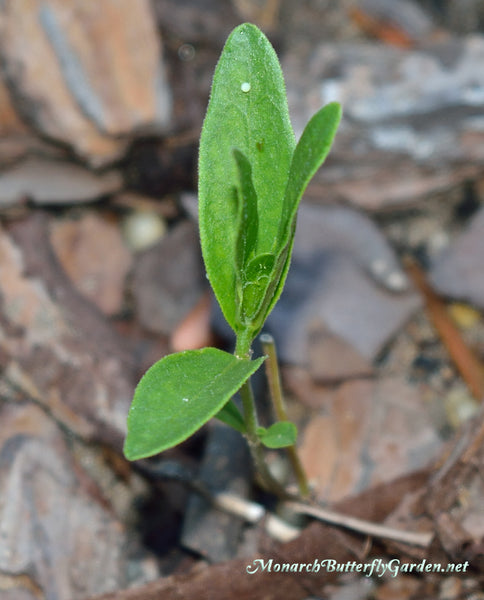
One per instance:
(252,175)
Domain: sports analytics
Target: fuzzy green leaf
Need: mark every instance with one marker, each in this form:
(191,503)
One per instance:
(260,267)
(258,276)
(180,393)
(248,219)
(248,111)
(282,269)
(230,415)
(278,435)
(310,153)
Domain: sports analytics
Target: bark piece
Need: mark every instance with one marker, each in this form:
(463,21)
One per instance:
(19,587)
(367,433)
(457,272)
(411,128)
(47,181)
(55,346)
(345,301)
(402,24)
(349,232)
(167,281)
(10,122)
(449,504)
(53,531)
(79,244)
(195,330)
(401,588)
(333,359)
(101,72)
(16,138)
(401,183)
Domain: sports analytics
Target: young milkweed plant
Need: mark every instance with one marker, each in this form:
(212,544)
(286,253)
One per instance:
(252,175)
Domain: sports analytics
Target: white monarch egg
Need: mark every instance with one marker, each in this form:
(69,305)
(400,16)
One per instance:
(245,87)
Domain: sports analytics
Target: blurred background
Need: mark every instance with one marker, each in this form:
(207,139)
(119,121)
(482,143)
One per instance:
(380,328)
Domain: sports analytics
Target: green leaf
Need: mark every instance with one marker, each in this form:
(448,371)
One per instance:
(180,393)
(258,281)
(248,111)
(261,295)
(278,435)
(230,415)
(260,267)
(248,220)
(310,153)
(283,264)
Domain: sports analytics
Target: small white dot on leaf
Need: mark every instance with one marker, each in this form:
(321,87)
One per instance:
(245,87)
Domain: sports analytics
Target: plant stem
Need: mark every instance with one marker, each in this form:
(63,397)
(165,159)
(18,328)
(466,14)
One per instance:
(250,415)
(256,448)
(275,388)
(242,345)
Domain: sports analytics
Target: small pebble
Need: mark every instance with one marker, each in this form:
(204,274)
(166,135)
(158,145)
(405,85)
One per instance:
(459,406)
(394,280)
(379,266)
(142,229)
(464,315)
(186,52)
(397,281)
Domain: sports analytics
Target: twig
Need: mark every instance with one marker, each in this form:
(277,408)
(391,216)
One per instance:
(422,540)
(239,507)
(253,511)
(467,363)
(218,582)
(275,388)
